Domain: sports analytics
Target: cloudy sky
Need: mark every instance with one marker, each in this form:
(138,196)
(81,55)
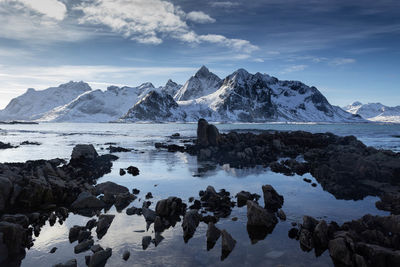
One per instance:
(350,50)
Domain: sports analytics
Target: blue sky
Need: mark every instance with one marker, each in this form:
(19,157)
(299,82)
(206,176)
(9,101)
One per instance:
(349,50)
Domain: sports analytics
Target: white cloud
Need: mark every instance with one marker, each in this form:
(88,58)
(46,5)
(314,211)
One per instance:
(293,68)
(151,21)
(342,61)
(224,4)
(259,60)
(199,17)
(50,8)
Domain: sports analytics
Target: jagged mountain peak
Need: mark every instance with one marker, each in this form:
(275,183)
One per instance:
(72,85)
(170,83)
(356,103)
(202,72)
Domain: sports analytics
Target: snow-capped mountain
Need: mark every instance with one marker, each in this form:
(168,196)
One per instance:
(202,83)
(375,112)
(34,104)
(241,96)
(155,106)
(259,97)
(98,105)
(171,87)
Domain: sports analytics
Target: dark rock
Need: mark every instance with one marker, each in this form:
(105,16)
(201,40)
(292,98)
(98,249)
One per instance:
(135,191)
(6,145)
(281,215)
(134,171)
(202,138)
(260,222)
(74,233)
(320,236)
(314,185)
(309,223)
(228,244)
(100,258)
(149,195)
(196,205)
(133,210)
(170,207)
(293,233)
(122,172)
(273,201)
(146,240)
(83,235)
(103,224)
(307,180)
(126,255)
(84,152)
(191,199)
(20,219)
(86,200)
(123,200)
(115,149)
(340,253)
(213,233)
(70,263)
(243,196)
(213,135)
(96,248)
(234,219)
(53,250)
(24,143)
(190,222)
(83,246)
(306,241)
(5,190)
(91,224)
(111,188)
(149,215)
(157,240)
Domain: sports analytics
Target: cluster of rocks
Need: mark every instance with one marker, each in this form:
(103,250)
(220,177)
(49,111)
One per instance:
(369,241)
(343,166)
(24,143)
(36,191)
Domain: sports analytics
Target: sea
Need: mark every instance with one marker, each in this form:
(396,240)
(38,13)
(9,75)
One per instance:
(178,174)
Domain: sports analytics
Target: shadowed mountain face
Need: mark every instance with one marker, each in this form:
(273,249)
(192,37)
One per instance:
(241,96)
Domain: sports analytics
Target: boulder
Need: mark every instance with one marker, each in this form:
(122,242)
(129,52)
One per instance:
(126,255)
(5,190)
(86,200)
(111,188)
(272,200)
(20,219)
(83,246)
(148,214)
(103,224)
(172,206)
(14,238)
(190,222)
(340,253)
(243,196)
(132,170)
(146,240)
(213,135)
(202,138)
(257,216)
(84,152)
(100,258)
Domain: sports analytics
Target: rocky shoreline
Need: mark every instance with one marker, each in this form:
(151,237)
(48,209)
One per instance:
(35,192)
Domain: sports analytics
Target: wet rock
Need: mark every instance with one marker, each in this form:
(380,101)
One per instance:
(53,250)
(260,222)
(91,224)
(314,185)
(213,135)
(191,199)
(74,233)
(135,191)
(134,171)
(281,215)
(243,196)
(111,188)
(149,215)
(83,246)
(24,143)
(196,205)
(307,180)
(218,203)
(306,241)
(123,200)
(202,138)
(84,152)
(146,240)
(170,207)
(234,219)
(228,244)
(70,263)
(340,253)
(6,145)
(213,233)
(175,135)
(86,200)
(320,237)
(190,222)
(100,258)
(96,248)
(157,239)
(103,224)
(115,149)
(126,255)
(122,172)
(272,200)
(83,235)
(5,190)
(293,233)
(309,223)
(20,219)
(149,195)
(133,210)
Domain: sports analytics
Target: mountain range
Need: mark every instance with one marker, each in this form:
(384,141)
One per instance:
(239,97)
(375,112)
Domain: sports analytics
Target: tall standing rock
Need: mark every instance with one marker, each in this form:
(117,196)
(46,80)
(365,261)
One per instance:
(202,138)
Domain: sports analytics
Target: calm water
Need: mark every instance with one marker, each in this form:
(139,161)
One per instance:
(177,174)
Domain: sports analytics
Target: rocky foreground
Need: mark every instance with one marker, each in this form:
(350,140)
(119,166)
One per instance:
(35,192)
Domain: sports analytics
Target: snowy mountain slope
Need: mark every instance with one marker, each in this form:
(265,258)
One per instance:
(259,97)
(33,104)
(202,83)
(99,106)
(375,112)
(171,87)
(155,106)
